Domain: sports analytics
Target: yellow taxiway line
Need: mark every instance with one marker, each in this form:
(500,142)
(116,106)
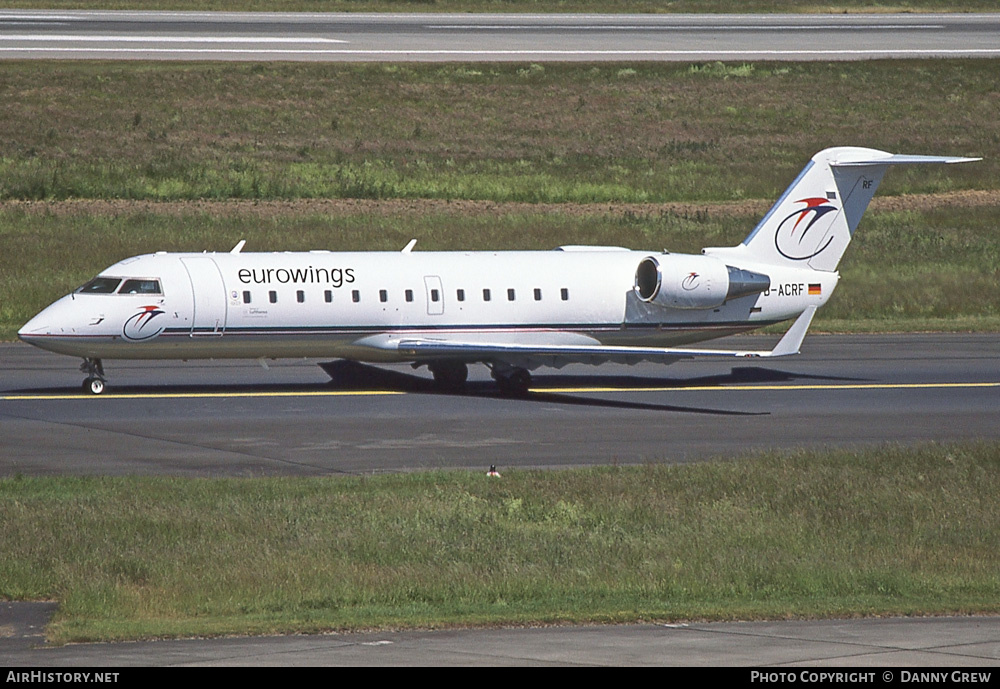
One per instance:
(825,386)
(197,395)
(375,393)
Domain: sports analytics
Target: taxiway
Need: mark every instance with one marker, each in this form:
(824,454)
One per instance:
(235,418)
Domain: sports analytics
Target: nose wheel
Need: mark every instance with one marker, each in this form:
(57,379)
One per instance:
(94,382)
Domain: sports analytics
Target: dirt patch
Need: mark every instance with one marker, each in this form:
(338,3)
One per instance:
(402,207)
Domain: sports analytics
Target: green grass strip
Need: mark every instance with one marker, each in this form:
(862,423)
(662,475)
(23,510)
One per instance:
(791,534)
(584,133)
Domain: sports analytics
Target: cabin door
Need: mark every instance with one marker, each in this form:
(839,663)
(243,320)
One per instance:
(209,296)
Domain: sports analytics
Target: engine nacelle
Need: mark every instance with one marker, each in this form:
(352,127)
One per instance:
(694,282)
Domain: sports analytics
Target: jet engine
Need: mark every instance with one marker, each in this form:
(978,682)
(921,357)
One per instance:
(694,282)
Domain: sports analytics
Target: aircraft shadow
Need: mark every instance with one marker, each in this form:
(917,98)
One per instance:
(740,375)
(350,375)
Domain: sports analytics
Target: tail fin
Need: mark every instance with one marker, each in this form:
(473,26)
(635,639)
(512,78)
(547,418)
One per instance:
(813,221)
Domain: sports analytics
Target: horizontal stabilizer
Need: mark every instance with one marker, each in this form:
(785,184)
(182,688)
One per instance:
(902,160)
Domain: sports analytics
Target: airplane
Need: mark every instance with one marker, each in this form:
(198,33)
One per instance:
(513,311)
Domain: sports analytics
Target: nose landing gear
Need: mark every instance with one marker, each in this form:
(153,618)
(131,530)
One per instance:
(94,383)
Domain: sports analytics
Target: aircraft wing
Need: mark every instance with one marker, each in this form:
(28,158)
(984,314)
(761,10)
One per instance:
(558,349)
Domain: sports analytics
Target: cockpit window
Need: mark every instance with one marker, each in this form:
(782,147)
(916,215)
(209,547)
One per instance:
(100,286)
(140,287)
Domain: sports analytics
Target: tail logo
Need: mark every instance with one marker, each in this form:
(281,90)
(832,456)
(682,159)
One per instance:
(790,238)
(137,328)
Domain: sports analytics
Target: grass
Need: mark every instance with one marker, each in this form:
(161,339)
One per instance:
(921,266)
(501,132)
(799,534)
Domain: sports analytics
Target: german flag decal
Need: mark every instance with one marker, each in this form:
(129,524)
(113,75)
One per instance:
(815,288)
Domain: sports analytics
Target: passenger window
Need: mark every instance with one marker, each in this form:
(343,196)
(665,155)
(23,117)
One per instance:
(100,286)
(565,294)
(510,294)
(538,294)
(272,296)
(435,295)
(300,296)
(486,295)
(409,295)
(246,297)
(355,296)
(328,295)
(460,294)
(383,296)
(140,287)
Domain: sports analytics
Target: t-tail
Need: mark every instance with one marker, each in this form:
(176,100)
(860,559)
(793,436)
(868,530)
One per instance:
(814,220)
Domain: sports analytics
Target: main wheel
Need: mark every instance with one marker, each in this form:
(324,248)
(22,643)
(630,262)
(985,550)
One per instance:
(450,375)
(514,384)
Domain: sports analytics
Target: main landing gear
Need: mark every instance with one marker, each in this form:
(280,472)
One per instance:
(449,375)
(513,382)
(94,383)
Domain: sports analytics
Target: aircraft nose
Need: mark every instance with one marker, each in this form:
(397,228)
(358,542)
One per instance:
(57,317)
(35,327)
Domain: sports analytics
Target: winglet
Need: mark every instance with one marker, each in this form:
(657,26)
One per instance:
(409,246)
(792,340)
(239,247)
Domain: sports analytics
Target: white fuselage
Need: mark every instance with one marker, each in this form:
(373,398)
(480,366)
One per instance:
(322,304)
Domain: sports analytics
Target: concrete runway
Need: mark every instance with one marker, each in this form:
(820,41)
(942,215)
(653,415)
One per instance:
(234,418)
(27,34)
